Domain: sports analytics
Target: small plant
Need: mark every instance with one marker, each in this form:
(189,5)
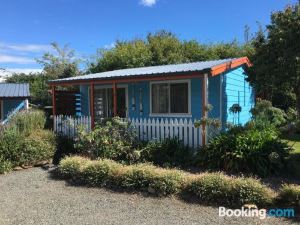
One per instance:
(266,113)
(246,149)
(23,141)
(112,139)
(219,189)
(289,195)
(168,152)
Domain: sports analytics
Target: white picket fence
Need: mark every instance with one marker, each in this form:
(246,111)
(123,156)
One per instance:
(147,129)
(68,125)
(159,129)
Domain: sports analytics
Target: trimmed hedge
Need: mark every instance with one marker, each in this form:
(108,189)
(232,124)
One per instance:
(209,188)
(289,195)
(220,189)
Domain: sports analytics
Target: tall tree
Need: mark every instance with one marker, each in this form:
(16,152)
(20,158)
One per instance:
(277,58)
(161,48)
(61,63)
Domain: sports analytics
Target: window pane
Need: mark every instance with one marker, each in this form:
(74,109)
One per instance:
(160,98)
(179,97)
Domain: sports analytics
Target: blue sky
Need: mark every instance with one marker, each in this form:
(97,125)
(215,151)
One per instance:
(28,26)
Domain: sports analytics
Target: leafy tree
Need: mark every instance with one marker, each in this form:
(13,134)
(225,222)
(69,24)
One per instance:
(125,54)
(60,64)
(38,86)
(161,48)
(276,62)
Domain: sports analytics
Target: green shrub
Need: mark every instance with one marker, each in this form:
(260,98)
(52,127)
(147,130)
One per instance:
(246,149)
(152,179)
(289,195)
(38,146)
(71,167)
(168,152)
(210,188)
(264,111)
(28,121)
(24,142)
(219,189)
(5,166)
(101,173)
(112,139)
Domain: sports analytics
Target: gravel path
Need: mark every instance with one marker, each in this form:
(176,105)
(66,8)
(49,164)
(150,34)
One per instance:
(31,197)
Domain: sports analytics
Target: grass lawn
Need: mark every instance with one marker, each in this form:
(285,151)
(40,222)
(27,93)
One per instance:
(294,140)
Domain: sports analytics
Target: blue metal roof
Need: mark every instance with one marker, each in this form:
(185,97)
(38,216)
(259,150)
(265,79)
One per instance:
(11,90)
(152,70)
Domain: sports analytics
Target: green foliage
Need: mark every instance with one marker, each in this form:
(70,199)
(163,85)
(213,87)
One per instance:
(5,166)
(246,149)
(168,152)
(28,121)
(38,86)
(265,112)
(289,195)
(219,189)
(152,179)
(112,139)
(276,62)
(60,64)
(161,48)
(24,142)
(210,188)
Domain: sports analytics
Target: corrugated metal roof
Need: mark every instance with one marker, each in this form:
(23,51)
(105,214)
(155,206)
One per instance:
(10,90)
(152,70)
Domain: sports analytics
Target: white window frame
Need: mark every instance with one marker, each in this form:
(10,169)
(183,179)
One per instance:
(189,114)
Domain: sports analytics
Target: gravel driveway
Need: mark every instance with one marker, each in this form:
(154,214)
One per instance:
(31,197)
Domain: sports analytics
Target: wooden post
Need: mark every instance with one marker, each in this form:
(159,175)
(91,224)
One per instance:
(204,105)
(92,114)
(53,101)
(115,98)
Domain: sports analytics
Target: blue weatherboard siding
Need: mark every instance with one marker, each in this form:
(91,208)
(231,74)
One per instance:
(135,89)
(236,90)
(10,105)
(84,91)
(214,96)
(223,91)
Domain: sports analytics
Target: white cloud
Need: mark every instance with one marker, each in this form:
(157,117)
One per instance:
(34,48)
(25,70)
(148,3)
(111,45)
(15,59)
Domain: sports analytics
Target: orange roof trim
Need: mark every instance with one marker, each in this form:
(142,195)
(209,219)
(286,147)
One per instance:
(230,65)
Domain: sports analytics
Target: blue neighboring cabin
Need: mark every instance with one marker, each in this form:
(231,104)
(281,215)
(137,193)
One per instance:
(171,98)
(13,97)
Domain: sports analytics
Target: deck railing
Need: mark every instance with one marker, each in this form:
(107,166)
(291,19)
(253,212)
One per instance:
(147,129)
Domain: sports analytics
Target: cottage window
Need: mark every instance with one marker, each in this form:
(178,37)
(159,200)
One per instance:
(171,97)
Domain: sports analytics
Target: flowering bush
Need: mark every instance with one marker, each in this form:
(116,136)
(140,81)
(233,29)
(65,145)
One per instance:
(112,139)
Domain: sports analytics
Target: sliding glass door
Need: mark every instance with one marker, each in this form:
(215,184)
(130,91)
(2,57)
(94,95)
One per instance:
(103,103)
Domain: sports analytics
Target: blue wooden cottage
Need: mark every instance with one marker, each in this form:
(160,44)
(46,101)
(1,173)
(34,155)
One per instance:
(164,93)
(13,97)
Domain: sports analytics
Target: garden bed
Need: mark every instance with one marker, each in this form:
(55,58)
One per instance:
(206,188)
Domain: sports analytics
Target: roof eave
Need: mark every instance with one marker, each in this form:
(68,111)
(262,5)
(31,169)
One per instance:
(216,70)
(135,78)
